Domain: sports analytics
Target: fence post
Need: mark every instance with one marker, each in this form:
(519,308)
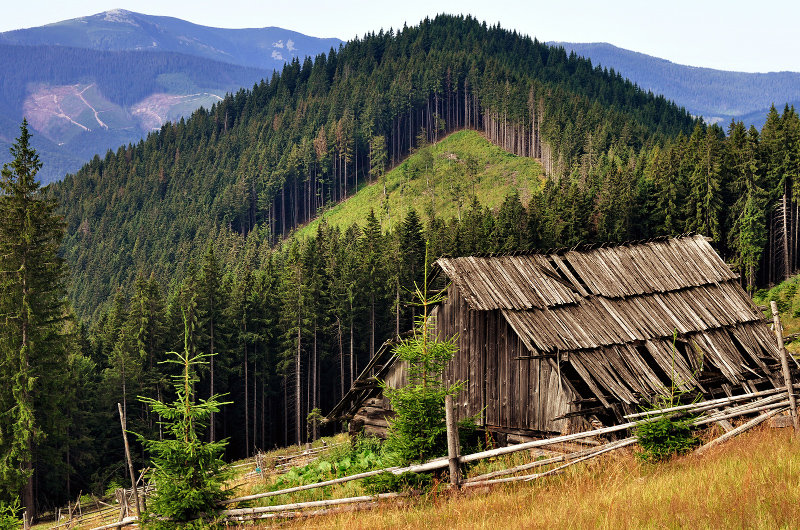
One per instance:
(122,421)
(787,375)
(452,441)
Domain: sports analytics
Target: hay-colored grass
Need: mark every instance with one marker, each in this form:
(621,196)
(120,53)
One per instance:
(751,482)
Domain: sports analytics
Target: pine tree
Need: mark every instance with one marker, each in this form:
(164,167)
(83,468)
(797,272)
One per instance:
(31,314)
(372,248)
(212,307)
(189,474)
(411,264)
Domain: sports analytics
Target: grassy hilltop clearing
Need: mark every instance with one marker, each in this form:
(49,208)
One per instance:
(464,165)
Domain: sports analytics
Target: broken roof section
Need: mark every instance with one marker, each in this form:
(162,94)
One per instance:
(630,319)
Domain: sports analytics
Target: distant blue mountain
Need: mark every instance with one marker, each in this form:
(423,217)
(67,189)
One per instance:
(716,95)
(265,48)
(91,84)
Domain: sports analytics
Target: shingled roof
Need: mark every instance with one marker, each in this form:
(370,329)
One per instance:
(625,316)
(595,331)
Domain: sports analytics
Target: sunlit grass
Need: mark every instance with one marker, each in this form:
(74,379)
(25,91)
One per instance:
(751,482)
(446,190)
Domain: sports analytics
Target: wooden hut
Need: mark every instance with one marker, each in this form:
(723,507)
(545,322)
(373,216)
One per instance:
(548,342)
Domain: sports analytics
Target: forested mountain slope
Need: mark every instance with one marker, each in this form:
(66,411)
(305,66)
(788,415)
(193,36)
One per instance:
(97,82)
(718,96)
(275,155)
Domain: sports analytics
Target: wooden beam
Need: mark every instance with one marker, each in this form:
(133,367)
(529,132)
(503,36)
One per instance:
(739,430)
(311,504)
(128,457)
(125,522)
(452,442)
(787,375)
(545,462)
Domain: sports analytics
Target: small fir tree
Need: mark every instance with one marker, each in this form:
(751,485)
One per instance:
(188,473)
(418,430)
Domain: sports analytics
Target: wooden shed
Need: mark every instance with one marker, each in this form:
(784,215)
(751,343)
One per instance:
(548,342)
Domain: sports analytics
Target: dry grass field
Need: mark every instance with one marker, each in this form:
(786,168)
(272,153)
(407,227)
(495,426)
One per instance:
(751,482)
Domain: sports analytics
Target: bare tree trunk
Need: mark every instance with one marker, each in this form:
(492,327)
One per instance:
(372,325)
(397,309)
(297,396)
(787,268)
(246,403)
(341,354)
(255,395)
(285,411)
(212,417)
(314,380)
(352,355)
(263,408)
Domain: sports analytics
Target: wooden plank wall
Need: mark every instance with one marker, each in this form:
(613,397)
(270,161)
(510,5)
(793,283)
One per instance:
(504,385)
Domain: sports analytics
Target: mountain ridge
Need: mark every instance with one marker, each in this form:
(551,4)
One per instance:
(719,96)
(116,30)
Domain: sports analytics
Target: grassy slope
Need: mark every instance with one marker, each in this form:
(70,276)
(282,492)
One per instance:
(498,174)
(787,296)
(751,482)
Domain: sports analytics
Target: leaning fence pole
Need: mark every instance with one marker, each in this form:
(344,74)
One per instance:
(739,430)
(130,463)
(452,442)
(787,375)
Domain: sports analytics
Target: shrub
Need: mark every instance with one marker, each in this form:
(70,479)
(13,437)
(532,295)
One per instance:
(665,436)
(387,482)
(363,455)
(10,515)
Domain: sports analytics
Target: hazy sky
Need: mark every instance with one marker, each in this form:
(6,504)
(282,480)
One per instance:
(750,36)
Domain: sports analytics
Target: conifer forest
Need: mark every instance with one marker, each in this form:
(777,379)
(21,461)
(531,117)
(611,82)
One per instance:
(187,239)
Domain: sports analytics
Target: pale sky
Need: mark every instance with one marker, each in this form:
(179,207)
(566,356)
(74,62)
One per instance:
(740,35)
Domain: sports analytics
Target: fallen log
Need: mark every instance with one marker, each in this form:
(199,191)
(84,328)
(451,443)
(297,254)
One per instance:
(312,504)
(710,403)
(739,430)
(548,461)
(311,513)
(125,522)
(595,453)
(711,419)
(307,486)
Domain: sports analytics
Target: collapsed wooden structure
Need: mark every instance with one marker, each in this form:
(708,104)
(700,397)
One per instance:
(549,343)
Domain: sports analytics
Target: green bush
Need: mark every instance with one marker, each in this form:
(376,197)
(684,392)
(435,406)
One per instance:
(10,515)
(388,482)
(664,437)
(365,454)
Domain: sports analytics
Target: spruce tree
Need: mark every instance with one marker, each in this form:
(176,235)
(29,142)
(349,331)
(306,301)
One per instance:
(32,339)
(189,473)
